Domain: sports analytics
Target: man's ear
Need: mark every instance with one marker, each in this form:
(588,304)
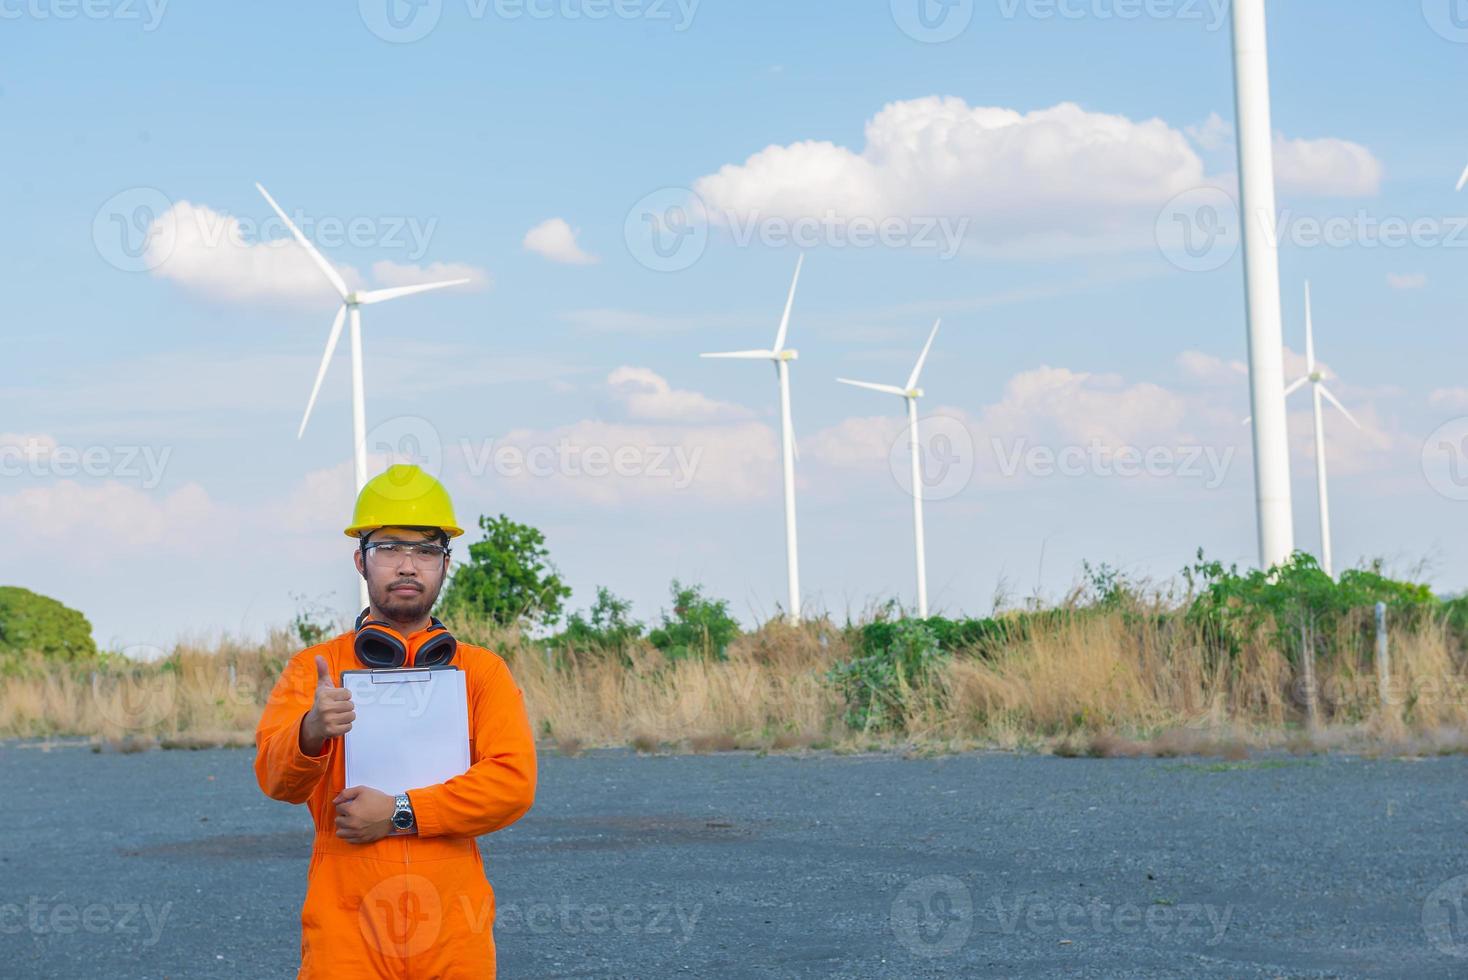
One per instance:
(357,560)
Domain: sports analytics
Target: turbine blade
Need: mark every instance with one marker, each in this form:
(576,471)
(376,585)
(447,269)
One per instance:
(378,295)
(1463,180)
(789,303)
(326,267)
(1336,402)
(746,355)
(332,338)
(885,389)
(1309,333)
(913,380)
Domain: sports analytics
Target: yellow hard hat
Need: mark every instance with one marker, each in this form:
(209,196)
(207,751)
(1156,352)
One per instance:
(403,496)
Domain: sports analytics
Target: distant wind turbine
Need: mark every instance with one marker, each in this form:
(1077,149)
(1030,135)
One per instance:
(910,393)
(1463,180)
(781,357)
(1315,377)
(352,301)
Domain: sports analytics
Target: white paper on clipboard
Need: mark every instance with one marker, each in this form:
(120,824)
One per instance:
(411,729)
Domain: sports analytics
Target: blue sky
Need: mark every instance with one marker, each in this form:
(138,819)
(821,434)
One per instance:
(1055,135)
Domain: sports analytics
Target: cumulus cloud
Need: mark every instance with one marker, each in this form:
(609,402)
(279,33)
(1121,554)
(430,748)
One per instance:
(1061,172)
(215,255)
(1412,280)
(1212,370)
(647,396)
(1326,168)
(554,239)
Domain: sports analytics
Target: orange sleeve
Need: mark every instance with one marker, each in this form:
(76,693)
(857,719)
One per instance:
(500,785)
(284,771)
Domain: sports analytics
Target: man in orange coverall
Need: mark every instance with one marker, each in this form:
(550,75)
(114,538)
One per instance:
(380,901)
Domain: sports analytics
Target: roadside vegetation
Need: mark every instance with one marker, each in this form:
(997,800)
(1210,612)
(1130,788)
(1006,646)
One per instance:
(1216,662)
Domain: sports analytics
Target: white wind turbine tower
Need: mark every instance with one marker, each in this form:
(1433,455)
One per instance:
(1261,282)
(910,393)
(352,301)
(1316,379)
(781,357)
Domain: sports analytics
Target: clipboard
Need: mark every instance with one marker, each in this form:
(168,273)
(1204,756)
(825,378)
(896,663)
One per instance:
(411,729)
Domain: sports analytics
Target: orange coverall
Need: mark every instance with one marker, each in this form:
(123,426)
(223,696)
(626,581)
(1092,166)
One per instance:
(409,905)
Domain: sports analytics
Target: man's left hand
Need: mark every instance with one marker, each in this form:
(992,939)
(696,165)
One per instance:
(363,814)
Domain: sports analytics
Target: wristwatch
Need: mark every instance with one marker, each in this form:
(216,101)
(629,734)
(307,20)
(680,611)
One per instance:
(402,814)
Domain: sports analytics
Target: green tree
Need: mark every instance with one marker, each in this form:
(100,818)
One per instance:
(32,623)
(507,577)
(699,626)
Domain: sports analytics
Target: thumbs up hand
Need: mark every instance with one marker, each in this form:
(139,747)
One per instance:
(331,714)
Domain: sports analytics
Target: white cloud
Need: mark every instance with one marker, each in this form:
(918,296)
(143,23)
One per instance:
(1061,173)
(207,252)
(647,396)
(1412,280)
(1212,370)
(1213,134)
(1326,168)
(210,253)
(554,239)
(388,273)
(1454,399)
(101,521)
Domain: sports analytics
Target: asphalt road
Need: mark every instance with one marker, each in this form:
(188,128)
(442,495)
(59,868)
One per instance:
(173,864)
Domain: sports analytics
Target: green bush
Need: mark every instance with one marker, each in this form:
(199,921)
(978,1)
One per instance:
(507,577)
(607,624)
(698,627)
(1232,608)
(32,623)
(874,687)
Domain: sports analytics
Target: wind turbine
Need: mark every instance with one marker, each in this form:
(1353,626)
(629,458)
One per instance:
(781,357)
(352,302)
(1261,283)
(910,393)
(1463,180)
(1316,379)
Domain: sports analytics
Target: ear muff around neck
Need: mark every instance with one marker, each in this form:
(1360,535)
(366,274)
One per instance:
(380,647)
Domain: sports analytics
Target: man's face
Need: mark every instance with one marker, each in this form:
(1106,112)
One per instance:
(402,588)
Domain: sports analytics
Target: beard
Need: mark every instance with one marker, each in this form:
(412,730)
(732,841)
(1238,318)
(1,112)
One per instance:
(402,608)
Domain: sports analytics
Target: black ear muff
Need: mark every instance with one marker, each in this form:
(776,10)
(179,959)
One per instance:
(380,647)
(438,649)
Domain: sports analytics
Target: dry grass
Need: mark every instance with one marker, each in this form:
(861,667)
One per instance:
(1095,685)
